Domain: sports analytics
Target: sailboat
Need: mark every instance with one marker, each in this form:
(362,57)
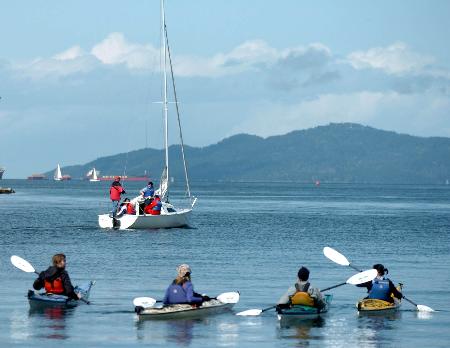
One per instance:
(58,176)
(93,176)
(170,216)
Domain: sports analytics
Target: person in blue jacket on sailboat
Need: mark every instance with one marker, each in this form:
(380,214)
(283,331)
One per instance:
(182,291)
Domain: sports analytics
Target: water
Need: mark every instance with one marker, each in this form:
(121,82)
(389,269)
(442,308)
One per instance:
(250,237)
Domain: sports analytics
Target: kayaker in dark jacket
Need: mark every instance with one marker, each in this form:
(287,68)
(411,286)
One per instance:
(56,280)
(181,290)
(381,288)
(301,293)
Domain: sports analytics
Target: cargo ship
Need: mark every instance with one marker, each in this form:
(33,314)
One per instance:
(37,177)
(124,178)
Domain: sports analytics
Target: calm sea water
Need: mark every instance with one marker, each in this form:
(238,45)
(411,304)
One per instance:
(250,237)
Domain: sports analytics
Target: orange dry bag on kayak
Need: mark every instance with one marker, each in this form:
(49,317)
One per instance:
(302,298)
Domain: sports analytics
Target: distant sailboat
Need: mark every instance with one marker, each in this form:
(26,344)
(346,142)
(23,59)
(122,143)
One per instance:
(94,176)
(58,176)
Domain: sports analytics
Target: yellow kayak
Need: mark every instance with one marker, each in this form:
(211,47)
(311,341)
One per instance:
(371,305)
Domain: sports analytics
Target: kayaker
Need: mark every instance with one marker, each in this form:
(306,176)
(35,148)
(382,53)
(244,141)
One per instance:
(56,280)
(181,290)
(381,288)
(115,191)
(301,293)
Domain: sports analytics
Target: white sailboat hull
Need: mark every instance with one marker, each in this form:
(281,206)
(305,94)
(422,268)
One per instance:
(169,220)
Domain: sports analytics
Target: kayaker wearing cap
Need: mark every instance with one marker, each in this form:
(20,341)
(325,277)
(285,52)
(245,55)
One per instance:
(115,191)
(381,288)
(301,293)
(181,290)
(56,280)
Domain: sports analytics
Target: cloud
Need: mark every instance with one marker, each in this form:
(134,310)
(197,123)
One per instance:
(116,50)
(420,114)
(397,58)
(69,54)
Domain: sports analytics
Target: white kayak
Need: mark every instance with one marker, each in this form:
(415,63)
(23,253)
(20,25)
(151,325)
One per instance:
(180,311)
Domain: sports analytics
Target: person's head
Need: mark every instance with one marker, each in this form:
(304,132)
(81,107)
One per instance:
(303,274)
(59,260)
(117,178)
(126,200)
(380,269)
(183,273)
(150,183)
(156,196)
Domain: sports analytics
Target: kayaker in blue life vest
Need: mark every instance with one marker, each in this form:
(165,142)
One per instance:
(56,280)
(301,293)
(181,290)
(381,288)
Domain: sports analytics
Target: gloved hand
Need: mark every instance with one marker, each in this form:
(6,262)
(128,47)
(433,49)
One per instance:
(206,298)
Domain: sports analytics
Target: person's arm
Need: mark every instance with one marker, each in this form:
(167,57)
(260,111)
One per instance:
(189,289)
(367,285)
(286,296)
(166,297)
(394,290)
(39,282)
(68,287)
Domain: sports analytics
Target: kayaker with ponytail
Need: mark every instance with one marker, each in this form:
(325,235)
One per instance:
(56,280)
(301,293)
(182,290)
(381,288)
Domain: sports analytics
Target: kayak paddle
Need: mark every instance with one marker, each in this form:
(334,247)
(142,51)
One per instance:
(340,259)
(25,266)
(148,302)
(358,278)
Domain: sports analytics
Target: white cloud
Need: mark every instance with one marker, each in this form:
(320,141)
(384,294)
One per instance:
(394,59)
(69,54)
(116,50)
(403,113)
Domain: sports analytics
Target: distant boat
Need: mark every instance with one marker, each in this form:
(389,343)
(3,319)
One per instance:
(2,170)
(58,175)
(93,175)
(37,177)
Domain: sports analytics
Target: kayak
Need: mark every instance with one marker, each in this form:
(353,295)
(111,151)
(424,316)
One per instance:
(48,299)
(304,312)
(375,306)
(180,311)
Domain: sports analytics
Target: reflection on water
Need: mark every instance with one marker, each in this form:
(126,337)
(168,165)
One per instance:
(373,328)
(50,321)
(302,330)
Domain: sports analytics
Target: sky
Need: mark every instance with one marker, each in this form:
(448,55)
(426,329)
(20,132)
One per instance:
(81,79)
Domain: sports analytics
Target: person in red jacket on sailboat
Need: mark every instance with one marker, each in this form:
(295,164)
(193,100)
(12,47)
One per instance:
(115,191)
(154,208)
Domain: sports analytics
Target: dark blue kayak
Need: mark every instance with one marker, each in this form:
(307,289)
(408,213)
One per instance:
(48,299)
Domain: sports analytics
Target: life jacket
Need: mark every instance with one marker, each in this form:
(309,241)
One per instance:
(54,286)
(302,298)
(380,290)
(115,191)
(130,209)
(154,208)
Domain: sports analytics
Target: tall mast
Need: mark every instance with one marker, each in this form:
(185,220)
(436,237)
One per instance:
(166,131)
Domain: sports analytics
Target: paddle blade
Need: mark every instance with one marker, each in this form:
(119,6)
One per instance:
(145,302)
(362,277)
(22,264)
(250,312)
(423,308)
(335,256)
(229,297)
